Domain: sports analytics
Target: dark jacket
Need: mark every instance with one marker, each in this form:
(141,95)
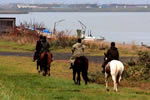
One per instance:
(38,46)
(113,54)
(45,46)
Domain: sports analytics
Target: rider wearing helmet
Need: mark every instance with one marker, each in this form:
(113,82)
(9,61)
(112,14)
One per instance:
(112,54)
(77,51)
(38,49)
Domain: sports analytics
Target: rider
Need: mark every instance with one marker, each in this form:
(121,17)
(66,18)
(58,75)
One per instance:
(77,51)
(112,54)
(38,49)
(45,48)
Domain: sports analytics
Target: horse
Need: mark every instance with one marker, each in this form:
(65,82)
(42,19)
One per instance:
(115,69)
(80,65)
(45,62)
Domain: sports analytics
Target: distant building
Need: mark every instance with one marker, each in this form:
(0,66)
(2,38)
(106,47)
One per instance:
(23,6)
(7,24)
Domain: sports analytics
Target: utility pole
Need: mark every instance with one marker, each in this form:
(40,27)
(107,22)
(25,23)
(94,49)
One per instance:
(55,24)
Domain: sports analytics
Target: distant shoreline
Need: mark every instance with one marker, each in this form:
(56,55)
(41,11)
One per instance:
(92,10)
(26,11)
(14,12)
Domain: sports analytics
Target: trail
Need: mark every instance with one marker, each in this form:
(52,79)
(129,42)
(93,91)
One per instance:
(62,56)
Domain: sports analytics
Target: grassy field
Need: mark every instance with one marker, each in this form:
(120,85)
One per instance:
(19,80)
(15,47)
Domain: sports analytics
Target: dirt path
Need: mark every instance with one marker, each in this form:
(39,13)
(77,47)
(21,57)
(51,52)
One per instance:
(61,56)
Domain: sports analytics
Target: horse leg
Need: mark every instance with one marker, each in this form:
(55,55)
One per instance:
(48,70)
(49,57)
(44,70)
(115,83)
(106,81)
(38,64)
(44,73)
(84,75)
(78,79)
(74,76)
(118,78)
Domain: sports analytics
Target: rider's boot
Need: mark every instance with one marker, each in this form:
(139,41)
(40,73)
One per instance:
(103,71)
(52,59)
(71,66)
(103,68)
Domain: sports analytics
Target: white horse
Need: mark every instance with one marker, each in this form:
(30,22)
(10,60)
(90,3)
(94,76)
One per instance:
(114,69)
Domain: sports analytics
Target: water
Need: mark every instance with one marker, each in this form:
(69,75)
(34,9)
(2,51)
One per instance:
(119,27)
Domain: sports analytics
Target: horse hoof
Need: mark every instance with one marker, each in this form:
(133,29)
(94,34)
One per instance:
(44,74)
(75,83)
(107,89)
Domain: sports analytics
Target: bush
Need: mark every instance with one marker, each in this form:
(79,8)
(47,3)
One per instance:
(140,71)
(63,40)
(143,57)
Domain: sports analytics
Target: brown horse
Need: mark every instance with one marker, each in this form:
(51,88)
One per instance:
(80,65)
(45,62)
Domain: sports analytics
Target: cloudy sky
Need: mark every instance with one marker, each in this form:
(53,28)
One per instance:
(77,1)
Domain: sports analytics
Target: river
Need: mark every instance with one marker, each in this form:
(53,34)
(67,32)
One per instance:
(120,27)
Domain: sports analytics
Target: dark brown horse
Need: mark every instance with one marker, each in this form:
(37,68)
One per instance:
(45,62)
(80,65)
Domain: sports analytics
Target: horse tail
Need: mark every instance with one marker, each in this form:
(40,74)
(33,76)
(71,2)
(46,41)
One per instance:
(86,64)
(45,58)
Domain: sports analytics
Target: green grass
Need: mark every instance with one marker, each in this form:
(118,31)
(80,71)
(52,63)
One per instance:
(19,80)
(15,47)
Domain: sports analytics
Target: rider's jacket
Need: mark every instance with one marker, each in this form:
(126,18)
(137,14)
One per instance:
(45,46)
(78,49)
(38,46)
(113,54)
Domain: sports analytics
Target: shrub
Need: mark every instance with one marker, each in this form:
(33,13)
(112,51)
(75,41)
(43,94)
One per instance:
(62,40)
(140,71)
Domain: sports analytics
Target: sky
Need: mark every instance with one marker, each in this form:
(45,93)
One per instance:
(77,1)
